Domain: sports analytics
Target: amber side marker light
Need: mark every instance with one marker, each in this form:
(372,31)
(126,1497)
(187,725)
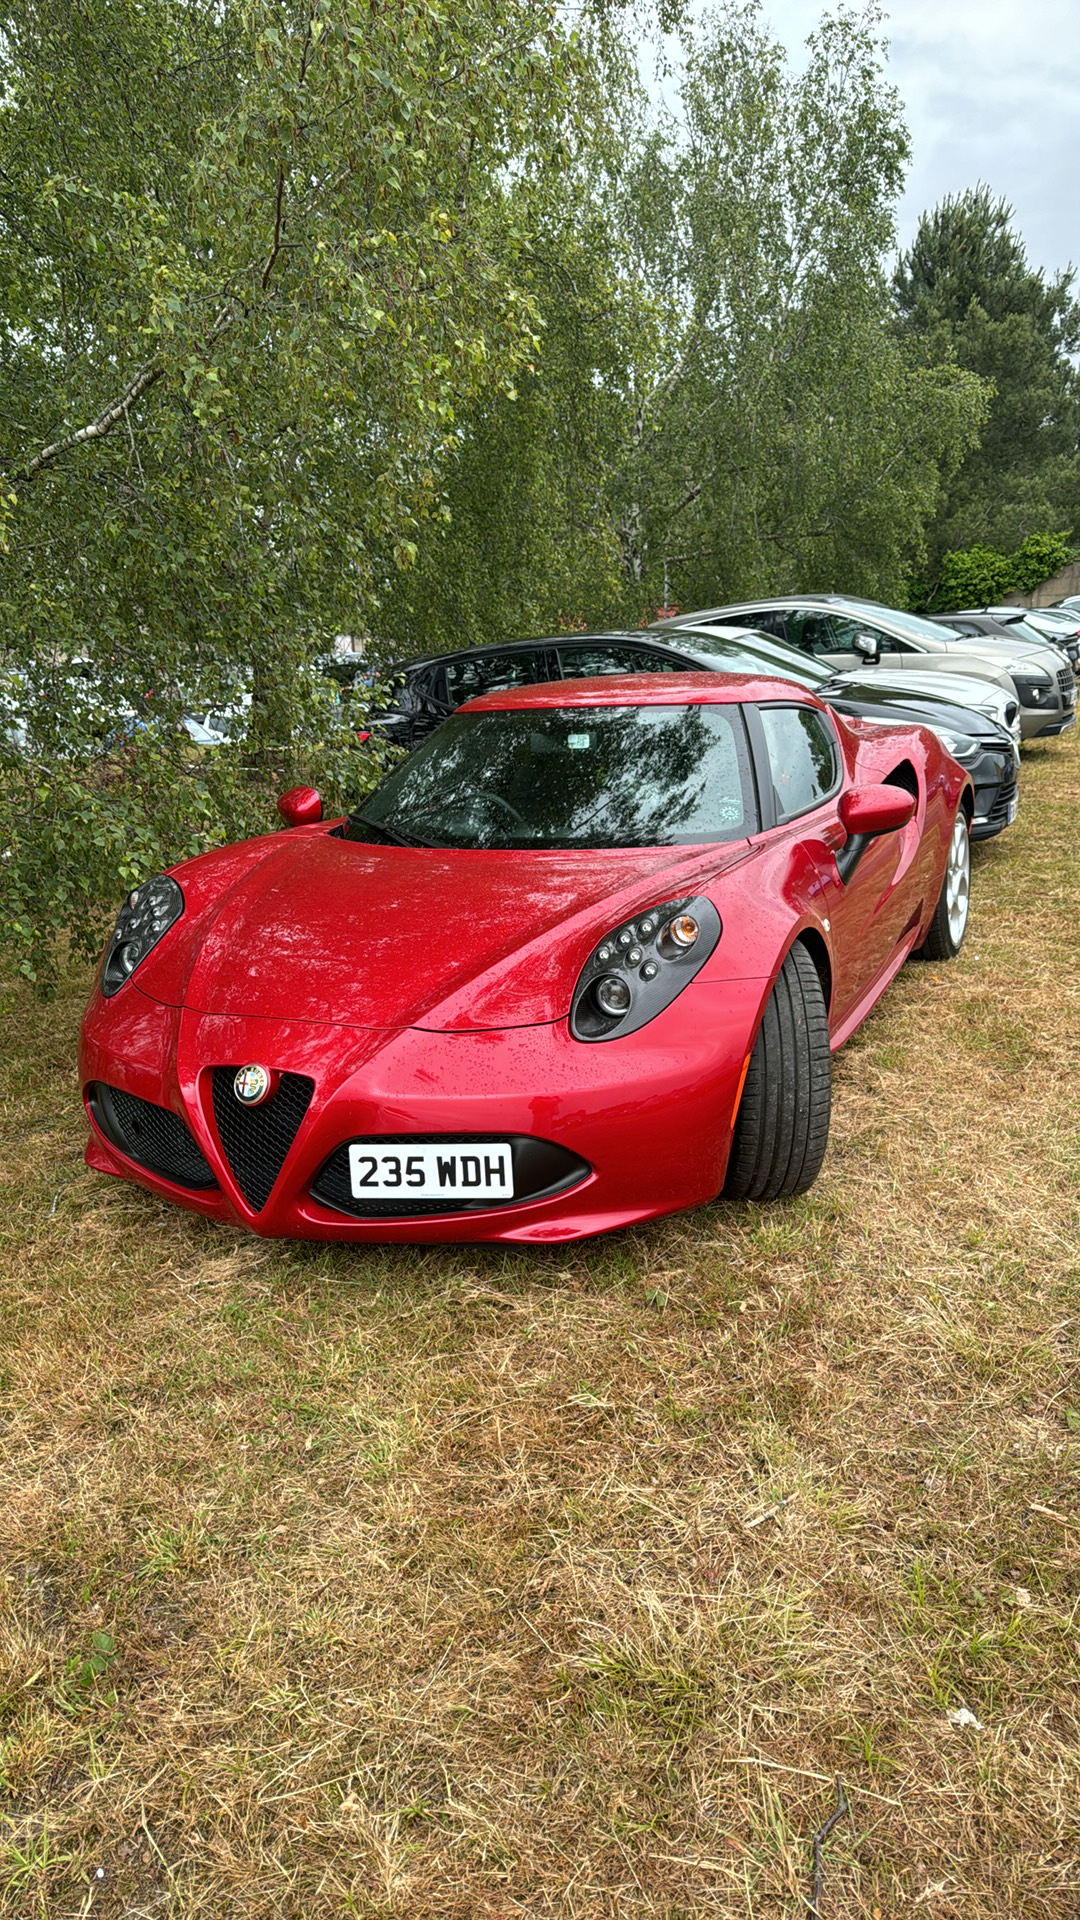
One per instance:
(682,931)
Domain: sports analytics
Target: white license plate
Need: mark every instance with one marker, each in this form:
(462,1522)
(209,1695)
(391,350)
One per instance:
(1014,808)
(454,1170)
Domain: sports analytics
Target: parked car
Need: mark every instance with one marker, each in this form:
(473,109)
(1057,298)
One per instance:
(1059,625)
(431,686)
(351,673)
(986,748)
(1011,623)
(1071,600)
(977,720)
(69,707)
(580,960)
(843,632)
(219,726)
(1046,619)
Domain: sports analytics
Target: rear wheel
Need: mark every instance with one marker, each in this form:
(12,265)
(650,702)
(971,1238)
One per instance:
(782,1127)
(949,924)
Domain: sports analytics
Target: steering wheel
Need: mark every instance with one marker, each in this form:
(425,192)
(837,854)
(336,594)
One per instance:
(495,800)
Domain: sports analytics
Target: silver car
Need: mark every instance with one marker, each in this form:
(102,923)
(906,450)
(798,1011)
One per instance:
(848,632)
(1059,625)
(1013,624)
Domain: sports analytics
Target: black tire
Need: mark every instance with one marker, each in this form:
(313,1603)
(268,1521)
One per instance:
(949,924)
(782,1128)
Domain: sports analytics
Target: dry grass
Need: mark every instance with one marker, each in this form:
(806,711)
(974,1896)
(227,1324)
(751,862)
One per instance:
(468,1583)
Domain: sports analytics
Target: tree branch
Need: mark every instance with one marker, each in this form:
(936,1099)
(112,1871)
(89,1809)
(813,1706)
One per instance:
(691,494)
(97,428)
(276,246)
(279,197)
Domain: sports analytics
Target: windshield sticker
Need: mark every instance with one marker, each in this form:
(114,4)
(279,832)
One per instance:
(577,742)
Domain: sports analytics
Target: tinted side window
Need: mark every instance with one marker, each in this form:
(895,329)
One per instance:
(846,628)
(414,691)
(814,632)
(767,620)
(802,758)
(581,662)
(473,673)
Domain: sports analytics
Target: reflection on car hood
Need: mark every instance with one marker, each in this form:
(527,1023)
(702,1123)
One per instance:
(998,652)
(948,689)
(306,926)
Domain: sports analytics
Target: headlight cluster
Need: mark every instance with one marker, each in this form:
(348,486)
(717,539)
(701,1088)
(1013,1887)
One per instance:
(641,966)
(145,915)
(962,746)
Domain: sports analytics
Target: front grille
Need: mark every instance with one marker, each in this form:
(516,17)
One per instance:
(1002,802)
(1066,682)
(541,1169)
(154,1137)
(255,1140)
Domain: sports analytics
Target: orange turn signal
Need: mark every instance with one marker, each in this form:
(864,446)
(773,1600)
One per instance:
(682,931)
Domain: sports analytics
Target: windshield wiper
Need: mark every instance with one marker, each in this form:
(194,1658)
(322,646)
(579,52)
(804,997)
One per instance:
(395,838)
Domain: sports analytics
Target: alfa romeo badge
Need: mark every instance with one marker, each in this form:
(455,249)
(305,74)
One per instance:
(251,1085)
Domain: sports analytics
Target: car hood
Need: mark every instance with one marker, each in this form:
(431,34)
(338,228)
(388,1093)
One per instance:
(953,690)
(999,652)
(311,927)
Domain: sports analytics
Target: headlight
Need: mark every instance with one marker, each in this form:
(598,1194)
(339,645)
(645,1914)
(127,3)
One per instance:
(639,968)
(145,915)
(961,745)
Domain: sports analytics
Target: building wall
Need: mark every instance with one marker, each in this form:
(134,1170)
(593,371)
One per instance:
(1058,588)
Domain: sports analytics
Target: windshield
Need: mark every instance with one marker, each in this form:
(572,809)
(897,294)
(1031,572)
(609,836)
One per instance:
(907,622)
(1043,617)
(771,657)
(1030,632)
(569,777)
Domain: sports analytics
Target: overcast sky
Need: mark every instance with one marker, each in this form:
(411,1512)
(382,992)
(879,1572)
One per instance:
(991,91)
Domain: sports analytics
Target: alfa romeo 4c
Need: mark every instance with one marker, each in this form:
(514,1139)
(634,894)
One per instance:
(581,959)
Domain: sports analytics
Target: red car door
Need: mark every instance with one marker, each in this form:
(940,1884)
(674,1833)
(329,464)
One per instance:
(869,908)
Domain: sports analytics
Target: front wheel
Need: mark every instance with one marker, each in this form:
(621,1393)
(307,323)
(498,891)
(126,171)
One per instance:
(782,1128)
(949,924)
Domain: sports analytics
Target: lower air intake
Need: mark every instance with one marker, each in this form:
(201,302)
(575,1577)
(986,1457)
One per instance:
(255,1140)
(154,1137)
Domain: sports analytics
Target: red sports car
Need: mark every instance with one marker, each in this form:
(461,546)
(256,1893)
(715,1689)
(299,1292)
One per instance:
(579,960)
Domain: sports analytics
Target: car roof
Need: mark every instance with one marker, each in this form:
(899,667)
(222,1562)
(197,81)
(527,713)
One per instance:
(1024,613)
(519,645)
(780,600)
(645,690)
(727,629)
